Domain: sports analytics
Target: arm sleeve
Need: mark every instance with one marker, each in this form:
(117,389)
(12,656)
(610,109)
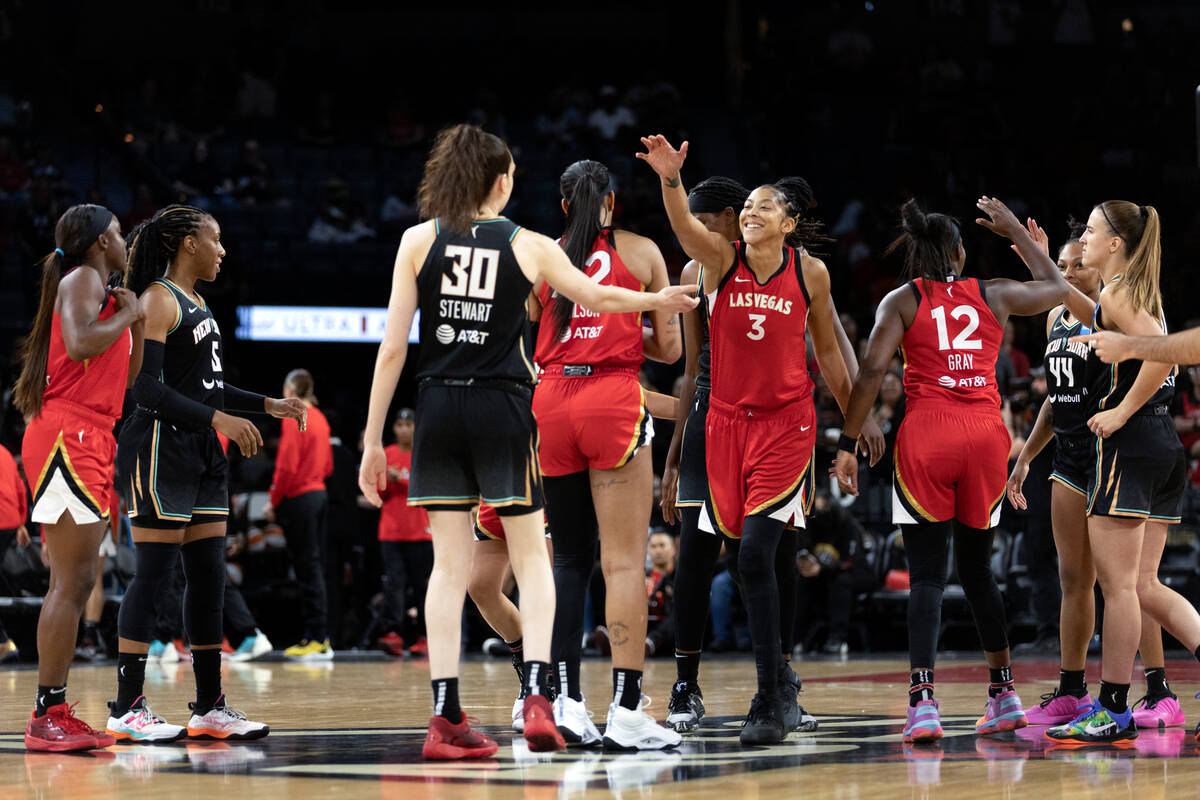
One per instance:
(286,461)
(240,400)
(150,392)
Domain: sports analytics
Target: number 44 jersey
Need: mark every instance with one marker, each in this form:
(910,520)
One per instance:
(950,350)
(473,305)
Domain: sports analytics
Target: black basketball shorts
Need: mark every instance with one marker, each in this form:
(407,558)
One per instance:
(1140,471)
(693,475)
(475,443)
(1074,461)
(171,476)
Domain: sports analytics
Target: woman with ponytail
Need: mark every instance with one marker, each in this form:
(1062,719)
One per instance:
(173,473)
(764,292)
(951,451)
(716,202)
(595,430)
(1139,470)
(77,365)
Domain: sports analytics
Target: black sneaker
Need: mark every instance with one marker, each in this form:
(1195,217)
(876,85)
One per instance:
(790,687)
(764,724)
(686,708)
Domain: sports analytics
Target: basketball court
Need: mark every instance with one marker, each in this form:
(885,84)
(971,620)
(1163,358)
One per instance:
(354,729)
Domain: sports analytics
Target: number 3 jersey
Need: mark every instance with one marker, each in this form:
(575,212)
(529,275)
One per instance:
(759,359)
(950,350)
(473,305)
(192,358)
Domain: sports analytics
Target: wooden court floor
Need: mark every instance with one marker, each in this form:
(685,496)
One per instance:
(354,730)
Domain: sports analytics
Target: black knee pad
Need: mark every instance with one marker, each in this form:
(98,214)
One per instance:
(204,597)
(155,562)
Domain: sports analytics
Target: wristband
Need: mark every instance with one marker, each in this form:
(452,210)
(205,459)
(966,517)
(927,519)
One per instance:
(847,443)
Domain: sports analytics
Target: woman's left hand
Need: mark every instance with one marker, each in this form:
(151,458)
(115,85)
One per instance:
(1106,423)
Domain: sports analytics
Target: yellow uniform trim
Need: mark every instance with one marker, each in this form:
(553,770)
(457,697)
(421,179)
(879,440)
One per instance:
(912,501)
(637,429)
(1074,489)
(154,479)
(61,447)
(782,495)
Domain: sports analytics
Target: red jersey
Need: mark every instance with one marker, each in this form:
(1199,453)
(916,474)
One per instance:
(608,340)
(398,521)
(757,336)
(14,504)
(98,383)
(950,349)
(304,459)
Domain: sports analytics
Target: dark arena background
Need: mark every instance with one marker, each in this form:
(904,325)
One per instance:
(303,127)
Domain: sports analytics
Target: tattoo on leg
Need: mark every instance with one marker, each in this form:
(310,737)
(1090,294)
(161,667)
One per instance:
(601,483)
(618,634)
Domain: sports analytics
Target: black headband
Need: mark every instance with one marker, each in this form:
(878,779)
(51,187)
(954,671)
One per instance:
(702,204)
(100,223)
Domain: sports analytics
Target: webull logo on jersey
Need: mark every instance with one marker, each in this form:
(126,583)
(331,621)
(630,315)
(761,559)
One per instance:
(204,328)
(976,382)
(447,335)
(757,300)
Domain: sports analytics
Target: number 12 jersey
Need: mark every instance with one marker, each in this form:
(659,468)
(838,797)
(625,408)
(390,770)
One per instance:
(950,350)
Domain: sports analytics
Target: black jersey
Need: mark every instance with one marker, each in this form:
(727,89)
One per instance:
(473,305)
(192,358)
(1109,383)
(703,377)
(1066,376)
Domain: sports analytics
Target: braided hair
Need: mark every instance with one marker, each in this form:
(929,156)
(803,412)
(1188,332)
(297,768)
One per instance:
(154,243)
(714,195)
(796,195)
(584,185)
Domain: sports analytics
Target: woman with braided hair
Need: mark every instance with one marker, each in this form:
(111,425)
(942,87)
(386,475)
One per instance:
(172,470)
(77,363)
(764,291)
(716,202)
(595,431)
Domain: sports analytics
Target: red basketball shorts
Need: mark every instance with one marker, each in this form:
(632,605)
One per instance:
(951,463)
(756,462)
(489,526)
(590,422)
(68,453)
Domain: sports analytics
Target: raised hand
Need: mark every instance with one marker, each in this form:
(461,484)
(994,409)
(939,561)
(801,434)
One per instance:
(662,158)
(1000,219)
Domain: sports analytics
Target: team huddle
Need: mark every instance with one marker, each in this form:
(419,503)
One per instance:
(531,425)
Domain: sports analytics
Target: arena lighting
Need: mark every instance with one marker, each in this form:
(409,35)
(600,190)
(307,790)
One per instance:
(128,138)
(354,325)
(99,107)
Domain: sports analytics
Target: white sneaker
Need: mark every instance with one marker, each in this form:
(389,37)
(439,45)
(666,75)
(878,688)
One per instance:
(170,654)
(518,715)
(140,724)
(223,722)
(630,729)
(252,647)
(574,721)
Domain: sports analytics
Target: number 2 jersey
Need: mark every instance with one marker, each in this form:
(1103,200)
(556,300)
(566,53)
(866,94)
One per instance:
(950,350)
(472,300)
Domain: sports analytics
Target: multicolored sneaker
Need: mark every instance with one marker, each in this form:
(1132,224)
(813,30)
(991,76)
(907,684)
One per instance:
(923,723)
(1004,713)
(251,648)
(1096,725)
(1159,712)
(225,723)
(446,741)
(686,708)
(1057,708)
(60,731)
(538,722)
(141,725)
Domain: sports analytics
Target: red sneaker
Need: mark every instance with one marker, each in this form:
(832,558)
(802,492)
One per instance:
(61,731)
(391,644)
(445,741)
(541,734)
(419,648)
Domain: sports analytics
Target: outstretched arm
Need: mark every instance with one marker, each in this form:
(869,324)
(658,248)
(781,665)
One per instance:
(1024,298)
(696,240)
(1177,348)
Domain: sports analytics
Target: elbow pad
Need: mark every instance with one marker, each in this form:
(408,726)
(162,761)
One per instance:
(155,396)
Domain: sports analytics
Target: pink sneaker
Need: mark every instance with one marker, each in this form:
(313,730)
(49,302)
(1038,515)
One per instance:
(1160,713)
(1003,713)
(1057,708)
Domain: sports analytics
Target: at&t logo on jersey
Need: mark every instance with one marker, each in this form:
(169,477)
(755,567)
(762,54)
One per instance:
(977,382)
(445,334)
